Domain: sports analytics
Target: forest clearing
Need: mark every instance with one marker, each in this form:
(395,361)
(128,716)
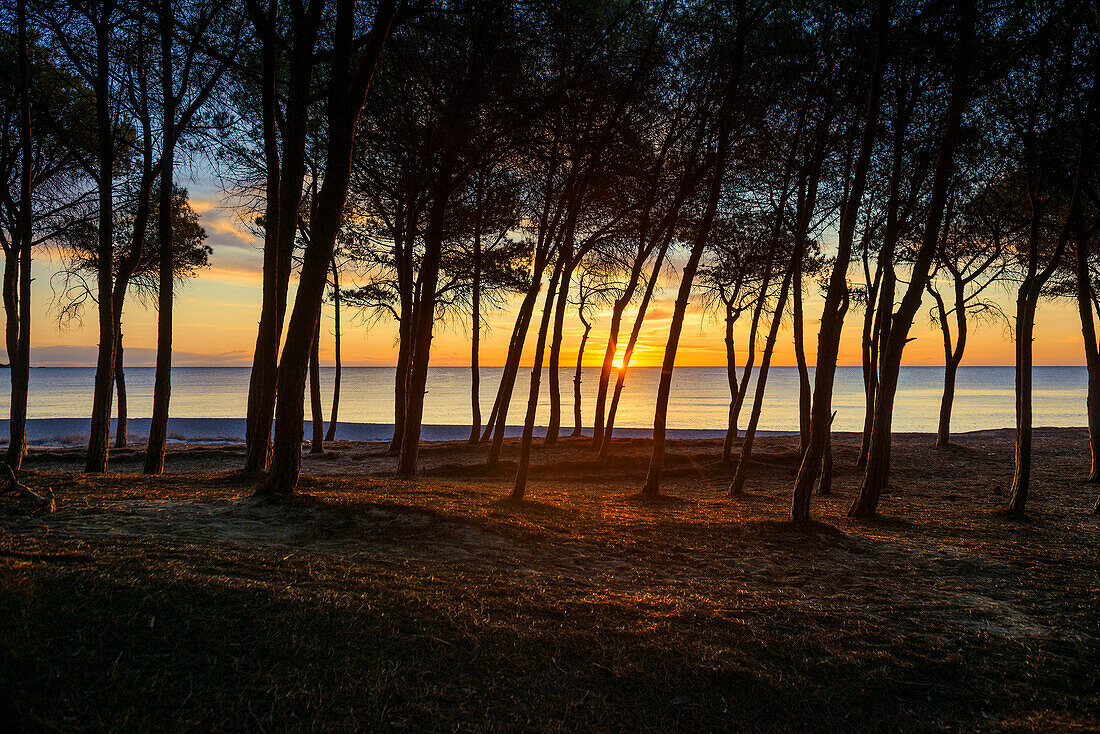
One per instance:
(180,602)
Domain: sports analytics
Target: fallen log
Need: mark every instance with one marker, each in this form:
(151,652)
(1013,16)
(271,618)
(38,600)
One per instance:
(44,502)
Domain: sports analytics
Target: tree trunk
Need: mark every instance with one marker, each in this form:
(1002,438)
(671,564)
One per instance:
(120,390)
(628,353)
(162,380)
(825,479)
(346,99)
(422,333)
(869,359)
(317,421)
(20,358)
(520,483)
(836,296)
(1025,334)
(99,430)
(804,394)
(739,477)
(878,458)
(475,339)
(553,427)
(731,378)
(284,192)
(334,415)
(577,423)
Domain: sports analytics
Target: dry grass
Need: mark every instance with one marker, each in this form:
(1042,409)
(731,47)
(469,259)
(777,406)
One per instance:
(180,604)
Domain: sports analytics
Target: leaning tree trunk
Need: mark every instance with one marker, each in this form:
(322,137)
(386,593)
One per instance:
(1092,353)
(317,422)
(286,172)
(628,353)
(422,332)
(577,422)
(519,486)
(876,475)
(836,296)
(498,419)
(553,426)
(737,486)
(333,416)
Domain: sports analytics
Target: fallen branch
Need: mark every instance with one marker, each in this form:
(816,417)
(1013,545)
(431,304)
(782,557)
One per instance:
(45,503)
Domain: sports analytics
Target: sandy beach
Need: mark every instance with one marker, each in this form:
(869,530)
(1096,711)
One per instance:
(180,603)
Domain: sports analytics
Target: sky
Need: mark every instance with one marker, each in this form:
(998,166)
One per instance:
(216,316)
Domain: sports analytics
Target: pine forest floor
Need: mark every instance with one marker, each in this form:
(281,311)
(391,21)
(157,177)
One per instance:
(181,604)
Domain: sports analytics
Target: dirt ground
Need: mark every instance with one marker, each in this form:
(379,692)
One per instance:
(180,603)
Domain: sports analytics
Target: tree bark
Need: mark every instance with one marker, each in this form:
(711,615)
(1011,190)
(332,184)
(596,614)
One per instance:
(347,95)
(475,342)
(120,390)
(731,378)
(284,193)
(836,297)
(553,427)
(737,486)
(878,460)
(99,430)
(317,421)
(577,422)
(20,357)
(519,486)
(333,416)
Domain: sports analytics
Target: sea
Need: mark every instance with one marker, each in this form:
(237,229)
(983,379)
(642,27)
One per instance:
(208,403)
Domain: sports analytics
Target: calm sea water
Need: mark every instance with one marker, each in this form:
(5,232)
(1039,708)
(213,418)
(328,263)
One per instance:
(700,396)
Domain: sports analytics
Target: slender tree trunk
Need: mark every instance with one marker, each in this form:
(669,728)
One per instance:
(401,377)
(731,378)
(1092,351)
(511,365)
(628,353)
(162,380)
(317,421)
(804,394)
(652,486)
(425,321)
(869,354)
(263,385)
(99,430)
(739,477)
(577,422)
(20,358)
(952,356)
(836,297)
(825,479)
(520,483)
(876,476)
(334,415)
(1025,335)
(553,427)
(120,390)
(347,95)
(475,339)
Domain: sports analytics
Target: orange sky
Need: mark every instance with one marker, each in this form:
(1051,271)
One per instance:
(216,319)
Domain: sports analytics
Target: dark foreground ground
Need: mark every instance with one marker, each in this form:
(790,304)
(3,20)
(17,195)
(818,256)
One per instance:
(180,604)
